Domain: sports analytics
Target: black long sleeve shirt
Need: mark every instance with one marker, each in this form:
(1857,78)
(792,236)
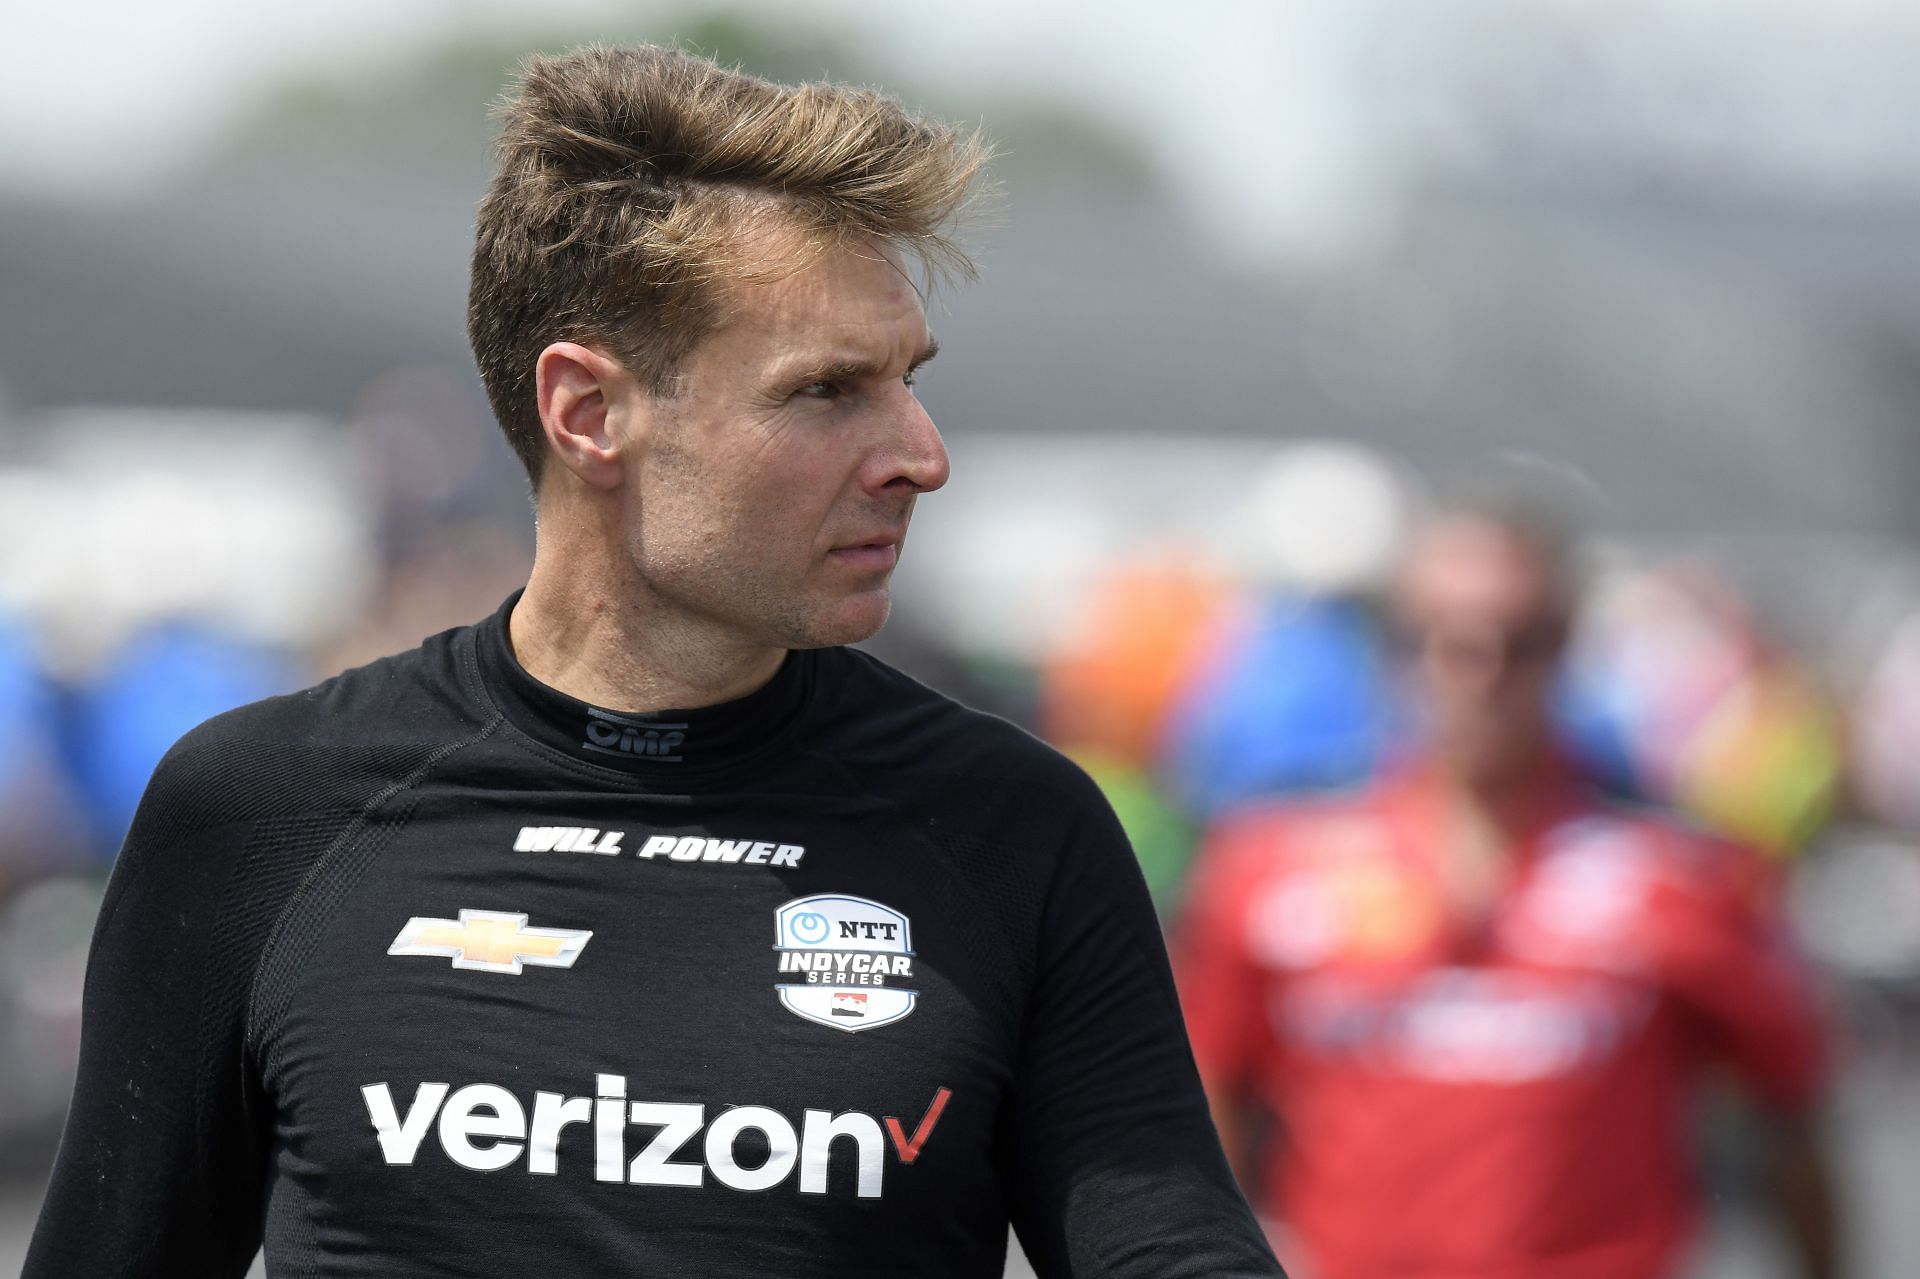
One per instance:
(434,971)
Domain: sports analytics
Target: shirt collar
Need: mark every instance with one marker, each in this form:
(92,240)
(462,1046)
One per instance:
(661,744)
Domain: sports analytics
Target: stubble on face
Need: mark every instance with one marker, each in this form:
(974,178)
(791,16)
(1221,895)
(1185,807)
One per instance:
(747,480)
(688,540)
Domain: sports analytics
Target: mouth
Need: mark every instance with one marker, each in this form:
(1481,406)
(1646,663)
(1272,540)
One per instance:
(874,554)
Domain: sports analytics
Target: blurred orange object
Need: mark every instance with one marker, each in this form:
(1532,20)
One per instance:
(1148,629)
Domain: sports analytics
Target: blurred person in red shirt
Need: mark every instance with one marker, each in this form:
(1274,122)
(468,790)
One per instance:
(1475,999)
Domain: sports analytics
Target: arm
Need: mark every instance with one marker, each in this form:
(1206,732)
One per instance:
(1756,1003)
(1108,1156)
(161,1166)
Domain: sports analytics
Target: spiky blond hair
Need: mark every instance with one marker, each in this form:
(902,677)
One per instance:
(627,176)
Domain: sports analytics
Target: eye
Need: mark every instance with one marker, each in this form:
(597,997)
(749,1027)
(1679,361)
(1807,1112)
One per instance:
(823,390)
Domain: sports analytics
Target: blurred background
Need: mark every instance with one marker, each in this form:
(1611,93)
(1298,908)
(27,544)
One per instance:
(1261,277)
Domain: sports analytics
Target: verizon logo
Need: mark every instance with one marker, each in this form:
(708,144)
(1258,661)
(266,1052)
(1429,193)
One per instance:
(486,1128)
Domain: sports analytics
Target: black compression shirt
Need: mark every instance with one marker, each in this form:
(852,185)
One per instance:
(434,971)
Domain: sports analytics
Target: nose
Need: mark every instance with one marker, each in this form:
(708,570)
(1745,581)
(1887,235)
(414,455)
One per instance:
(1463,666)
(914,457)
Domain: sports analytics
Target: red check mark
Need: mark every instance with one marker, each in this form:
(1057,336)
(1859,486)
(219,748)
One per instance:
(909,1150)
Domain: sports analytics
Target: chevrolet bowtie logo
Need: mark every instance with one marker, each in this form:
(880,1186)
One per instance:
(491,941)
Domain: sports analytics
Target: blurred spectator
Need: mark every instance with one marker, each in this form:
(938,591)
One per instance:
(1475,998)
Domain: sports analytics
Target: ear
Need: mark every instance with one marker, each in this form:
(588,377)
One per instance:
(585,398)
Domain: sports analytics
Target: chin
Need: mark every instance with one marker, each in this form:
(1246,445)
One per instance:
(847,621)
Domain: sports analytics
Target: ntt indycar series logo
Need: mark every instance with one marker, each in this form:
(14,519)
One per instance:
(844,962)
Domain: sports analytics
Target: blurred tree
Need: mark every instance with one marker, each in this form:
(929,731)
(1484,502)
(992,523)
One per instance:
(422,113)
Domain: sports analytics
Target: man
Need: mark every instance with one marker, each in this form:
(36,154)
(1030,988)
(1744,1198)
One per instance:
(640,929)
(1475,998)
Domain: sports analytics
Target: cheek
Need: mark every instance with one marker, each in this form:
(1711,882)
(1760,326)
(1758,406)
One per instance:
(693,526)
(793,509)
(678,519)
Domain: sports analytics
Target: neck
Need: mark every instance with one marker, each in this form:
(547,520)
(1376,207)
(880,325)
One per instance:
(1499,802)
(594,633)
(1485,823)
(1508,804)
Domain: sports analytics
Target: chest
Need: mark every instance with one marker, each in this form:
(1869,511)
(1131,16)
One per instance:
(1368,964)
(782,995)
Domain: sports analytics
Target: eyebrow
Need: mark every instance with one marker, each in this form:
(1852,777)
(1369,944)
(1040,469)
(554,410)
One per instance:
(838,370)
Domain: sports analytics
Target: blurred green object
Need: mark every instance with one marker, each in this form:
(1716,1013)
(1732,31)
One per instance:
(1162,837)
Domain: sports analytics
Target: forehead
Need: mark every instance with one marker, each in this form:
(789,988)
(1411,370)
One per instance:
(857,291)
(1475,567)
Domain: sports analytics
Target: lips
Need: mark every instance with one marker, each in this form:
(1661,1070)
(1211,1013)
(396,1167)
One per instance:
(875,553)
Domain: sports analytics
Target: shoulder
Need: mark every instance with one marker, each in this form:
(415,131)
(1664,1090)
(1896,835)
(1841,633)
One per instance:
(1014,822)
(912,735)
(334,744)
(1656,850)
(1615,829)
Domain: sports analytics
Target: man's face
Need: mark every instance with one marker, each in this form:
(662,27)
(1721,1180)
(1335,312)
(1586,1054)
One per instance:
(1484,629)
(772,492)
